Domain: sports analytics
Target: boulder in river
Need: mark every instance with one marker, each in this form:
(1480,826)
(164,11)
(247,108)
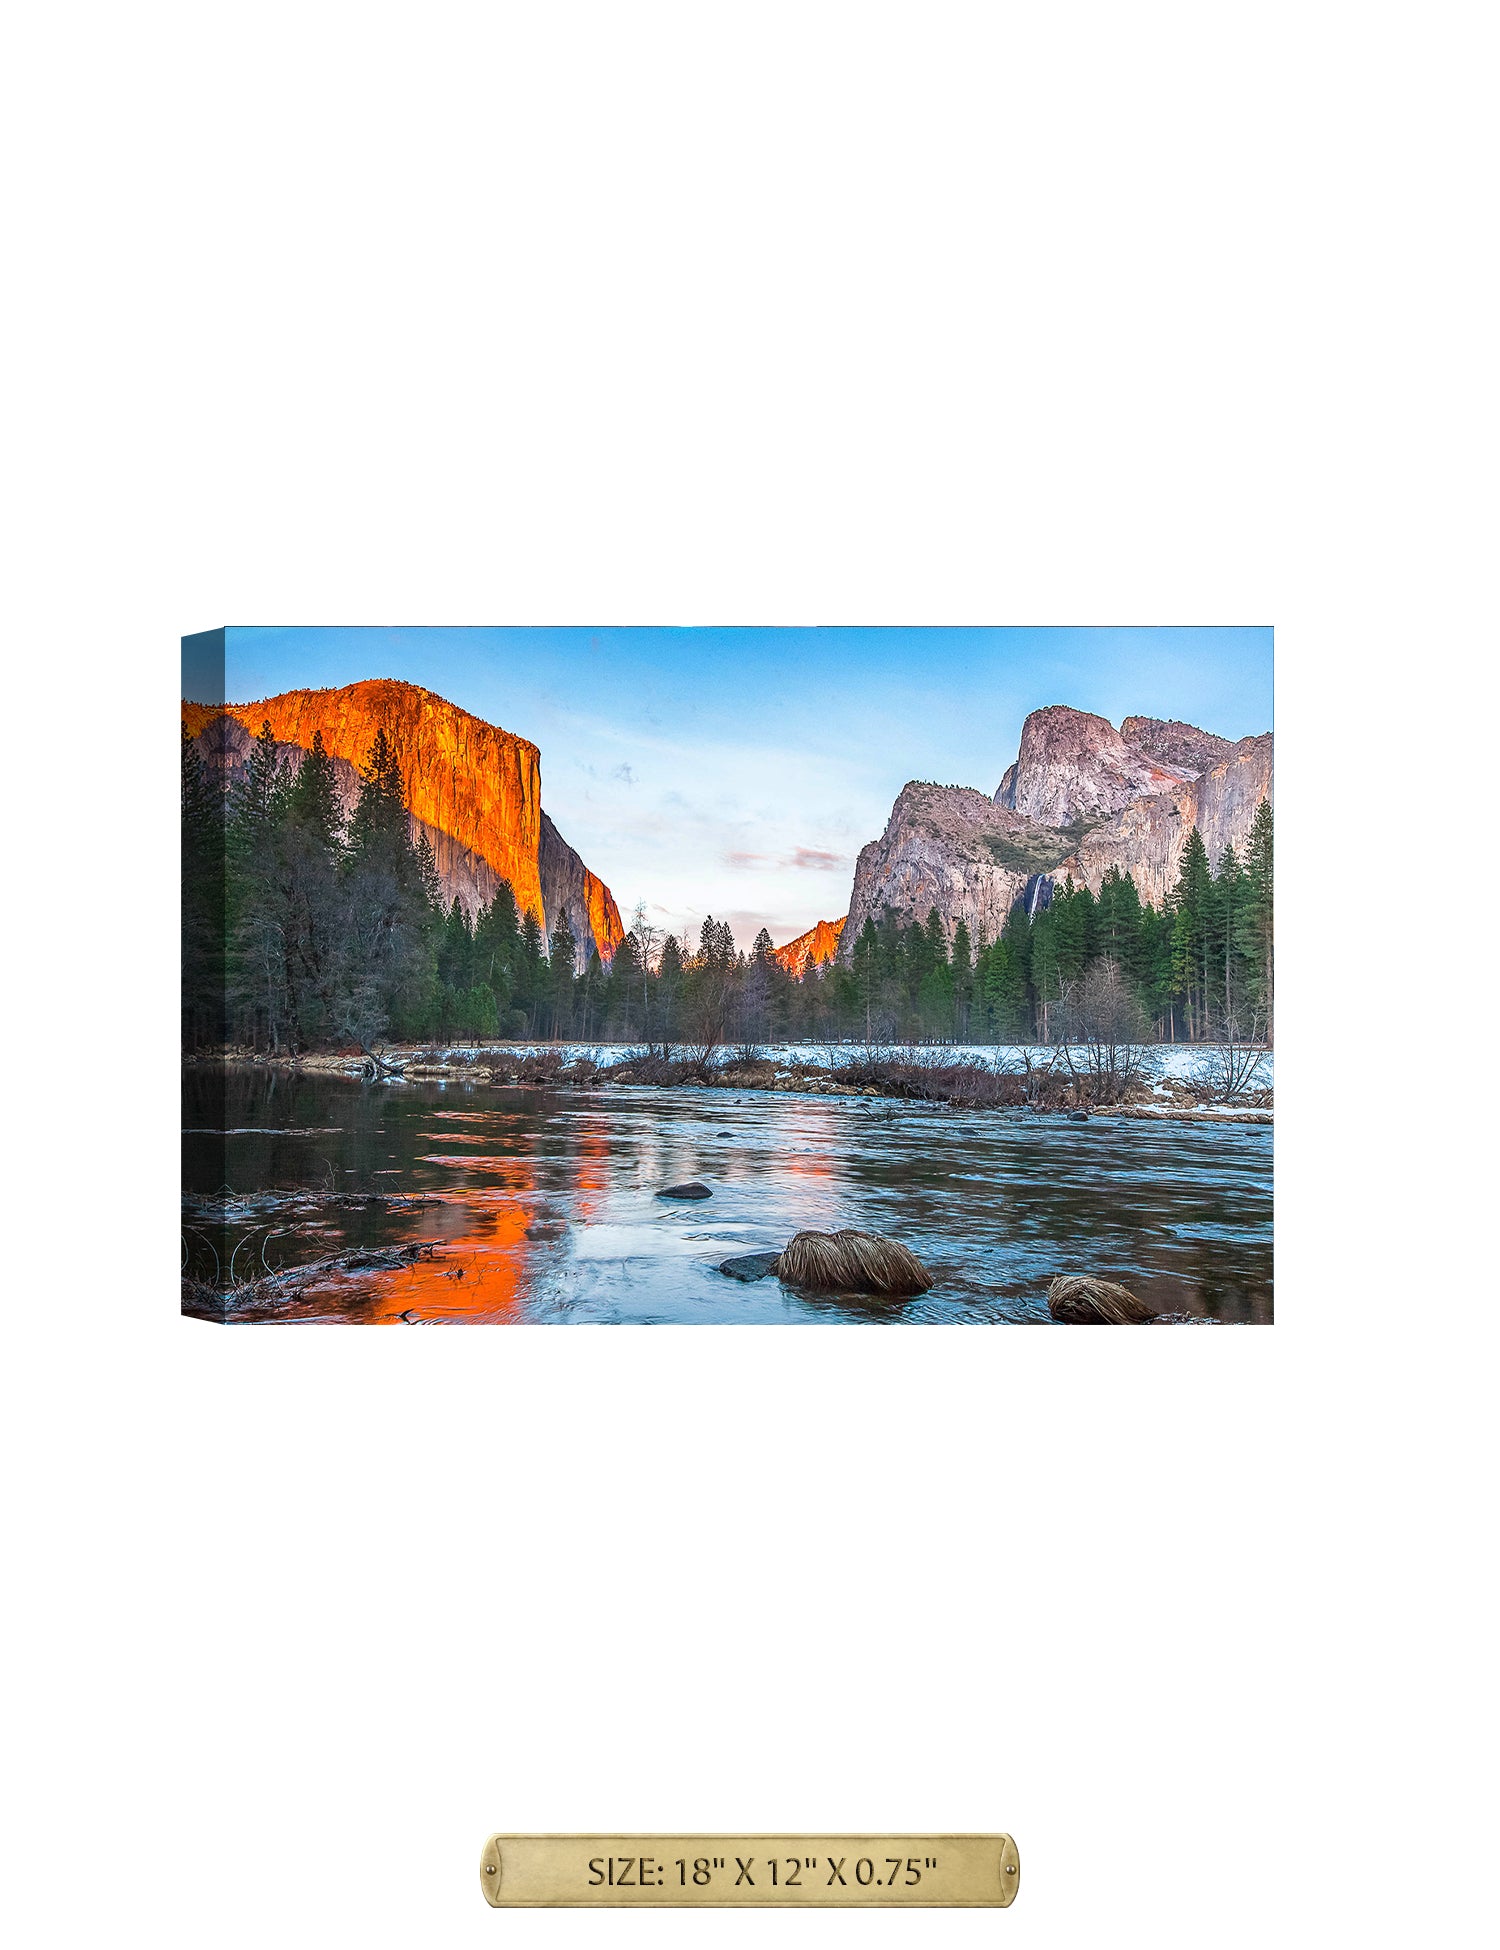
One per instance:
(749,1266)
(1082,1301)
(692,1189)
(852,1262)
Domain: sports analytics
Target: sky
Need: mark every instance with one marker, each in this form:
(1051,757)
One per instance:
(737,772)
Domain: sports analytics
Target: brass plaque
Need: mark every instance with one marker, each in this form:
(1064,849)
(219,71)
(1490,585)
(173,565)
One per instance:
(733,1871)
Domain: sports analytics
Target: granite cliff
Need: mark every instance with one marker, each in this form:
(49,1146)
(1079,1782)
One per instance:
(1080,799)
(569,888)
(473,789)
(951,848)
(820,944)
(1073,765)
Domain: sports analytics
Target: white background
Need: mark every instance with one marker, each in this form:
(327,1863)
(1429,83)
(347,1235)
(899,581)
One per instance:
(791,313)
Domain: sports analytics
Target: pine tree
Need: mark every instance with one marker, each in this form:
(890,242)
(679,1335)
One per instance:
(1182,962)
(961,968)
(497,944)
(669,967)
(390,977)
(530,988)
(1257,916)
(455,955)
(314,799)
(1015,933)
(1073,929)
(380,827)
(203,902)
(1229,899)
(563,961)
(1006,994)
(624,988)
(310,852)
(1191,904)
(484,1015)
(865,967)
(1117,926)
(256,906)
(1046,968)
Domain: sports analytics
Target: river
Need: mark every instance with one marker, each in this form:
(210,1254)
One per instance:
(541,1205)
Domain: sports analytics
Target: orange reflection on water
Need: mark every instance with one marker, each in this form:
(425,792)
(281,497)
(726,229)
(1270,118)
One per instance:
(479,1274)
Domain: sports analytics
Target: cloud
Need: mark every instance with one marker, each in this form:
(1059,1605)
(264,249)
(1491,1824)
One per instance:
(624,774)
(808,858)
(714,826)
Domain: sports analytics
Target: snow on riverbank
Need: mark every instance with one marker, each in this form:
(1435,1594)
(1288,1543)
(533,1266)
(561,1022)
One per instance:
(1167,1062)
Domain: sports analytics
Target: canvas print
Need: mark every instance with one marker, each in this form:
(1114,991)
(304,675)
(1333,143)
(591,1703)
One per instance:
(727,976)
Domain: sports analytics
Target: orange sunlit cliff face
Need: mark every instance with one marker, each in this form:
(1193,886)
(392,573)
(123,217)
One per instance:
(818,945)
(474,789)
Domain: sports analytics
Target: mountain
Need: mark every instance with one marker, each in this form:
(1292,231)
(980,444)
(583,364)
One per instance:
(1073,765)
(473,789)
(820,944)
(1080,798)
(952,848)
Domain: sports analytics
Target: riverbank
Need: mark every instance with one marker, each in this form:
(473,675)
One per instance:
(1174,1082)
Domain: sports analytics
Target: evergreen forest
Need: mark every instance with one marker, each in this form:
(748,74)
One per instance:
(304,928)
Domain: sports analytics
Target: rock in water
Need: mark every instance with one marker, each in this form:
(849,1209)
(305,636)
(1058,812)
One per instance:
(851,1262)
(691,1190)
(750,1266)
(1095,1303)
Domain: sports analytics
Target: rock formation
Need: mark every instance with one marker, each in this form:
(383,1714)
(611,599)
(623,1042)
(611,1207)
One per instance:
(1181,747)
(1145,839)
(569,888)
(951,848)
(473,789)
(1075,766)
(1080,798)
(820,944)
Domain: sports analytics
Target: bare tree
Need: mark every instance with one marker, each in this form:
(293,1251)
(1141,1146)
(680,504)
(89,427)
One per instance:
(1234,1066)
(1103,1034)
(647,938)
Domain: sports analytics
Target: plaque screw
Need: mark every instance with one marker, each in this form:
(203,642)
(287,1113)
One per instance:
(1010,1868)
(489,1868)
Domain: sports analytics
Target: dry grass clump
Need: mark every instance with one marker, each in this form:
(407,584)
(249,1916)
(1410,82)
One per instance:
(649,1067)
(1095,1303)
(925,1077)
(851,1262)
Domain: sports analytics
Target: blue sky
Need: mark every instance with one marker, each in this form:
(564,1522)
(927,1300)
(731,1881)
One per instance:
(738,772)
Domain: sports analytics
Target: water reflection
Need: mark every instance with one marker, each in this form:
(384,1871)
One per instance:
(541,1207)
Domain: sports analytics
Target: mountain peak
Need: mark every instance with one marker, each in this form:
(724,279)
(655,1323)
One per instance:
(1073,765)
(820,944)
(1172,743)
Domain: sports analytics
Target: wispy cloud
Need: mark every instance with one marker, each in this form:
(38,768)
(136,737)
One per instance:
(807,859)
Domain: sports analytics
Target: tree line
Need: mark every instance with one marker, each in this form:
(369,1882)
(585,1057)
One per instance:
(303,928)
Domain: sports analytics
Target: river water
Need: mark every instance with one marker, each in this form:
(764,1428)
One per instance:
(542,1208)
